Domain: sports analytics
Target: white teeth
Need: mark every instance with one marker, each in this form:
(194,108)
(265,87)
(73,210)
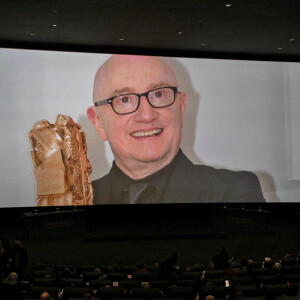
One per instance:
(146,133)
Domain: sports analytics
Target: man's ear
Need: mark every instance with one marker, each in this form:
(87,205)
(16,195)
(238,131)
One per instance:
(97,122)
(182,106)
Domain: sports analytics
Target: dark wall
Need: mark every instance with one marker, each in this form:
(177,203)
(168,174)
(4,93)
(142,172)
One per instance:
(128,234)
(139,221)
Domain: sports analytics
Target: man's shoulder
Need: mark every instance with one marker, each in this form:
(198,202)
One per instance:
(102,180)
(226,176)
(203,183)
(243,185)
(237,186)
(102,190)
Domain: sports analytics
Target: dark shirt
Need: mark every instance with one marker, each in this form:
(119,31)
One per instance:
(183,182)
(159,179)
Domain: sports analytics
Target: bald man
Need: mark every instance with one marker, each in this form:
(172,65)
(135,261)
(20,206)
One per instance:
(45,295)
(139,109)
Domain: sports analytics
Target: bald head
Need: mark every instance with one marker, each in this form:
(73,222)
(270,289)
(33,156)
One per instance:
(45,295)
(133,71)
(147,139)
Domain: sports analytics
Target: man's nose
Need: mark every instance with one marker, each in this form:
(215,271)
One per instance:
(145,113)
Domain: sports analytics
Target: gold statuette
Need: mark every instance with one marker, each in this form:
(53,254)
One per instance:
(61,166)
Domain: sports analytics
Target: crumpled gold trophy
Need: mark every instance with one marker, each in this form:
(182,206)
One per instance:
(61,166)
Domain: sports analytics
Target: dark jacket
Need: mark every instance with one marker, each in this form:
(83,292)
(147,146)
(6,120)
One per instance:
(191,183)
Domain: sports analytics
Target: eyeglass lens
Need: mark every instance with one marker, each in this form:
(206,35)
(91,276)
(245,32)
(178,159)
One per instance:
(129,102)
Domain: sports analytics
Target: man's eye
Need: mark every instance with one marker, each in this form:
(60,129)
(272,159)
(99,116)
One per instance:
(124,100)
(158,94)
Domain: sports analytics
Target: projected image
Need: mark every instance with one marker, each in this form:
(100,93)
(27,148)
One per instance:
(157,130)
(139,109)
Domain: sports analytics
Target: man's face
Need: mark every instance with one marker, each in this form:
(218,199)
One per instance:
(126,133)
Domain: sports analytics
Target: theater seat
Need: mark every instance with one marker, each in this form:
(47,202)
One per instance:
(291,277)
(162,284)
(255,265)
(189,282)
(41,274)
(61,267)
(75,292)
(269,264)
(79,282)
(295,269)
(128,269)
(275,290)
(146,293)
(82,298)
(130,284)
(290,261)
(260,272)
(243,281)
(235,265)
(273,279)
(143,276)
(248,290)
(85,268)
(106,269)
(241,273)
(123,298)
(214,274)
(94,284)
(187,293)
(190,275)
(36,291)
(214,281)
(169,298)
(112,292)
(52,282)
(194,268)
(252,298)
(116,276)
(216,291)
(91,275)
(284,297)
(40,266)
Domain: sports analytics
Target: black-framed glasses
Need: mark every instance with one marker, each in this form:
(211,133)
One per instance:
(128,103)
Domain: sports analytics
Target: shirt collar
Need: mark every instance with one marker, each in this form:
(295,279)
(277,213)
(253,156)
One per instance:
(159,179)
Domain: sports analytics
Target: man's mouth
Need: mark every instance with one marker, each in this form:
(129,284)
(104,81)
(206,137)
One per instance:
(138,134)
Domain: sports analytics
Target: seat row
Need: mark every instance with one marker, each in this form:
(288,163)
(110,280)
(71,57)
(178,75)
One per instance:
(187,292)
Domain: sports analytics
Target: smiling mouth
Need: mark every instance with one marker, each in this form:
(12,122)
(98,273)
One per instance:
(139,134)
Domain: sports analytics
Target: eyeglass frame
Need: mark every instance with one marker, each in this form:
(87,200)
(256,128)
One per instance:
(175,90)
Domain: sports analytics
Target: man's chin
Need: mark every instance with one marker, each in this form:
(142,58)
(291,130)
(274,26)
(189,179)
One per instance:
(148,160)
(152,157)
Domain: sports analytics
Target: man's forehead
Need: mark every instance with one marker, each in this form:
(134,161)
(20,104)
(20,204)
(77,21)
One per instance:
(131,61)
(130,73)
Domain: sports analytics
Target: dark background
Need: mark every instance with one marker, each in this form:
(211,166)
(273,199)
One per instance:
(127,234)
(235,29)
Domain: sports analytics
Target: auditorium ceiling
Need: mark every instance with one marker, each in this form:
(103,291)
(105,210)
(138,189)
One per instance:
(239,29)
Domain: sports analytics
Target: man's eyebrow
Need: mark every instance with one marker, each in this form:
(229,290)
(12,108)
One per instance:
(158,85)
(132,90)
(122,91)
